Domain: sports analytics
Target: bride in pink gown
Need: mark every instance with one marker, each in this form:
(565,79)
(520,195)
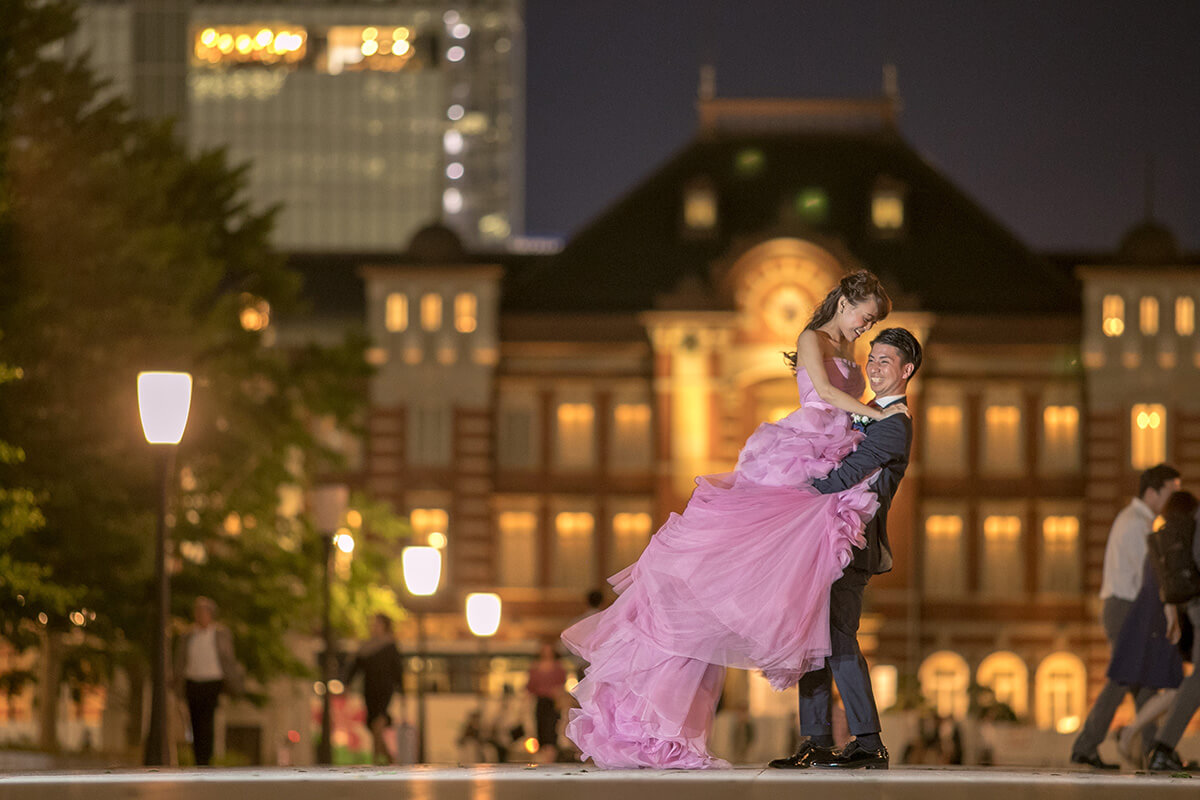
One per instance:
(741,578)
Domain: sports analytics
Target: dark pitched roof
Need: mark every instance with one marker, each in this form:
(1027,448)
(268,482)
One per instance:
(953,256)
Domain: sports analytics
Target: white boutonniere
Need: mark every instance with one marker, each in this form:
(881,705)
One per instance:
(860,421)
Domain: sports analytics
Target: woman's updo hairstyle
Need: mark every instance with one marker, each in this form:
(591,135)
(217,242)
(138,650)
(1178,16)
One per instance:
(856,288)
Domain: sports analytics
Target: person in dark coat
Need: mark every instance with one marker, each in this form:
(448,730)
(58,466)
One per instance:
(382,667)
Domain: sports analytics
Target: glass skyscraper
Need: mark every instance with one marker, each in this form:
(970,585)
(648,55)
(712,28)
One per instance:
(362,121)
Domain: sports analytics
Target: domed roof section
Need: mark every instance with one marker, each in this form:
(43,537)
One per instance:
(1149,243)
(436,244)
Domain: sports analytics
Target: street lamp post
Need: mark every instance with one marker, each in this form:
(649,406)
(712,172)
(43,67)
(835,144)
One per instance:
(164,399)
(422,573)
(329,503)
(483,618)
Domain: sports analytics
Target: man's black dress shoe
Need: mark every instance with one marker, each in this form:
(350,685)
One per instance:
(1164,759)
(803,758)
(855,756)
(1093,760)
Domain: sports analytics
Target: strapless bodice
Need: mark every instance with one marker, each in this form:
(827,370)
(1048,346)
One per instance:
(843,373)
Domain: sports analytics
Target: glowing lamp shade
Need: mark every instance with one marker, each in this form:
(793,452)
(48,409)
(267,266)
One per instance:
(164,399)
(483,613)
(422,569)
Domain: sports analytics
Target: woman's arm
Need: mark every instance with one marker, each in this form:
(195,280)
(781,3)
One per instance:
(809,355)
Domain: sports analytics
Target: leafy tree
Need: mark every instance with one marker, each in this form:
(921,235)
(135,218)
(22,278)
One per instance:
(125,252)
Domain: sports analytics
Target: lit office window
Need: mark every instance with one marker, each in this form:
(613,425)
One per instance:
(1112,309)
(431,312)
(945,443)
(1060,554)
(1148,315)
(428,524)
(465,309)
(700,206)
(370,48)
(631,445)
(518,562)
(262,45)
(1060,686)
(1148,428)
(1002,450)
(944,677)
(887,210)
(573,549)
(396,312)
(1060,439)
(631,533)
(1008,678)
(1004,575)
(944,555)
(1185,316)
(576,435)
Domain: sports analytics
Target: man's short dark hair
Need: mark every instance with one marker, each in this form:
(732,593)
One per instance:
(385,621)
(1155,478)
(905,343)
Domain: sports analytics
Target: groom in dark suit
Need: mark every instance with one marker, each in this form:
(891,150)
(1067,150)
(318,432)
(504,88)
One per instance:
(895,358)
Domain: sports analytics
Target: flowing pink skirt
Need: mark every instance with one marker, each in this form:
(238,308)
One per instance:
(740,579)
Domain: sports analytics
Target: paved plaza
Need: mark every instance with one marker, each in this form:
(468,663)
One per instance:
(566,782)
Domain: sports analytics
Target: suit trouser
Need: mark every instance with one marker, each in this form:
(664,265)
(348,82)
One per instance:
(1095,727)
(845,666)
(1188,698)
(202,697)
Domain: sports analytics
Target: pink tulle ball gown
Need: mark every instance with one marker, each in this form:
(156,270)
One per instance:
(740,579)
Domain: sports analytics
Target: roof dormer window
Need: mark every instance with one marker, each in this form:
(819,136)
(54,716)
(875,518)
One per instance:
(700,207)
(888,213)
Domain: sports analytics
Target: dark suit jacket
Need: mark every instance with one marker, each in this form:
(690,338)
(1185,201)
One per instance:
(885,448)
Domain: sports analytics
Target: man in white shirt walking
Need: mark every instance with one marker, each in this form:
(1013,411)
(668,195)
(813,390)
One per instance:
(204,667)
(1124,557)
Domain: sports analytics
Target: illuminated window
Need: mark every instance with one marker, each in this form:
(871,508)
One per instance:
(944,555)
(1185,316)
(885,684)
(573,550)
(396,312)
(944,678)
(630,441)
(887,210)
(518,562)
(375,48)
(228,45)
(1004,574)
(1148,315)
(1060,440)
(1061,686)
(431,312)
(429,435)
(516,436)
(700,206)
(1060,554)
(631,533)
(428,524)
(1148,428)
(1008,678)
(1002,450)
(1113,313)
(812,205)
(464,312)
(945,444)
(576,446)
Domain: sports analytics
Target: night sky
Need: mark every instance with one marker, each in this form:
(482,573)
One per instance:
(1045,112)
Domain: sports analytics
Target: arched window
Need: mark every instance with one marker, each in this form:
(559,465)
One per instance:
(1008,678)
(1061,693)
(944,678)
